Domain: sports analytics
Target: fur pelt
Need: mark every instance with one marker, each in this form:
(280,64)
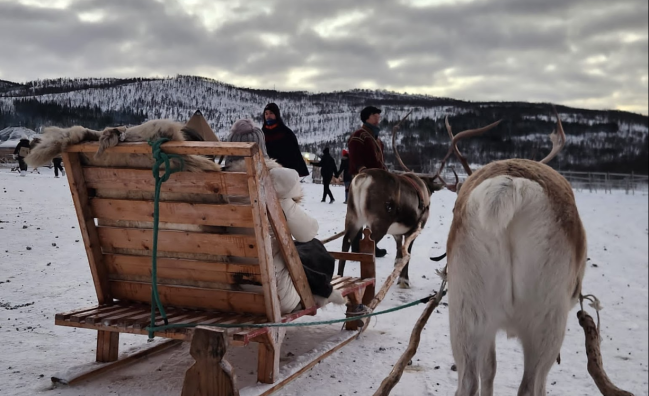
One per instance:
(55,141)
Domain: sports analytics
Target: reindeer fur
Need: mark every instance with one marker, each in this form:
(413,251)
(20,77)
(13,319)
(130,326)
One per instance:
(516,260)
(55,141)
(388,204)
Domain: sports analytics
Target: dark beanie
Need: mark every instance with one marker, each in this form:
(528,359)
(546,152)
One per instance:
(275,109)
(368,111)
(326,150)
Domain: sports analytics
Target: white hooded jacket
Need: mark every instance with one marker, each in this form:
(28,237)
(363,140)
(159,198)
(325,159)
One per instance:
(302,227)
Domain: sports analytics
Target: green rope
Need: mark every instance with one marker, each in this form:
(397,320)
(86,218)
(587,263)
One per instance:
(160,158)
(424,300)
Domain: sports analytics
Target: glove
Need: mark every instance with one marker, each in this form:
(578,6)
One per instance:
(15,156)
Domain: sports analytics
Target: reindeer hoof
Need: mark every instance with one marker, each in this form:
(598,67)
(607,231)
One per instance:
(404,283)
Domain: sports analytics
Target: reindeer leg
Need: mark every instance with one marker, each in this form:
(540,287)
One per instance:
(404,279)
(352,232)
(409,238)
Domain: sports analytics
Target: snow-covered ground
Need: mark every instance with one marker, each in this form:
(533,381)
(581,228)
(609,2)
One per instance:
(43,270)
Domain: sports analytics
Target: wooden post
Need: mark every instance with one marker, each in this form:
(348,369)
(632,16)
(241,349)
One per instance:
(368,267)
(107,346)
(210,375)
(268,356)
(368,270)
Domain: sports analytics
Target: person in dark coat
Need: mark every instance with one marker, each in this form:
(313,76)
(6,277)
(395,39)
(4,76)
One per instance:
(366,152)
(57,161)
(328,170)
(281,142)
(365,147)
(344,170)
(20,152)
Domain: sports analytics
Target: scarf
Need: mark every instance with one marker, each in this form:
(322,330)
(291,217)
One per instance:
(375,130)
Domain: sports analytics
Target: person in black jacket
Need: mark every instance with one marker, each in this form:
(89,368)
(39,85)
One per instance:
(328,166)
(20,152)
(281,142)
(344,170)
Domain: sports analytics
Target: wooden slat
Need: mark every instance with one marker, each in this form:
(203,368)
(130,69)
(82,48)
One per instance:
(173,212)
(117,317)
(78,188)
(99,317)
(178,241)
(191,297)
(78,317)
(284,238)
(352,256)
(66,315)
(199,271)
(225,183)
(339,279)
(262,234)
(174,147)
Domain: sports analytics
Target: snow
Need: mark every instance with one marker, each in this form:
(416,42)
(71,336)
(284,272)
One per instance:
(36,211)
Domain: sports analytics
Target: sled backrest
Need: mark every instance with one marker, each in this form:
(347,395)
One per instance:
(213,254)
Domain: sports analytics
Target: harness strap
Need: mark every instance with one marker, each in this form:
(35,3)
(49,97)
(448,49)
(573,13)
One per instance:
(418,189)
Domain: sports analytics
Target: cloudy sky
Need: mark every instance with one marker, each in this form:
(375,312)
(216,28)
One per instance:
(584,53)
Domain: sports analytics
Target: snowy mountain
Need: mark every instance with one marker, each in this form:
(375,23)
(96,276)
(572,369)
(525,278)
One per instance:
(597,140)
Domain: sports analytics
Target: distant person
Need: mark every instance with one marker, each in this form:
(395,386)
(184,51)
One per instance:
(344,171)
(20,152)
(281,142)
(366,152)
(328,170)
(57,161)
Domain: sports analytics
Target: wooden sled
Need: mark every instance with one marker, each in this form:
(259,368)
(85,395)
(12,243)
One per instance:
(200,273)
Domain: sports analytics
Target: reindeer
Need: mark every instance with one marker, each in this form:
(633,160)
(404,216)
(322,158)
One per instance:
(516,259)
(394,204)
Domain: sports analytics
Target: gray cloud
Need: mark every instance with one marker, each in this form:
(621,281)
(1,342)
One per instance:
(587,53)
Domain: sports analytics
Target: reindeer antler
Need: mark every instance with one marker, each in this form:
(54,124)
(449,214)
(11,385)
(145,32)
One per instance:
(394,145)
(454,149)
(558,140)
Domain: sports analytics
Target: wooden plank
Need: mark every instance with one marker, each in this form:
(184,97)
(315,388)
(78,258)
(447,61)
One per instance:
(339,280)
(225,183)
(179,335)
(99,317)
(79,191)
(178,241)
(191,297)
(351,256)
(112,366)
(66,315)
(174,147)
(257,194)
(283,236)
(173,212)
(80,316)
(199,271)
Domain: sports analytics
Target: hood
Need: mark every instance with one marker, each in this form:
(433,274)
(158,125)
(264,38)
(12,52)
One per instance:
(287,183)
